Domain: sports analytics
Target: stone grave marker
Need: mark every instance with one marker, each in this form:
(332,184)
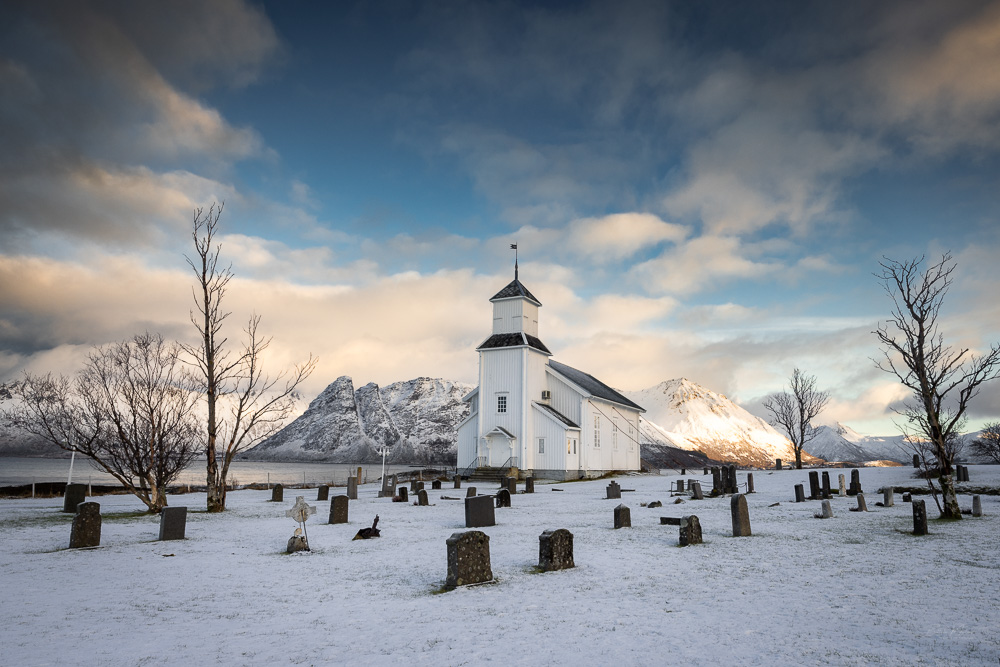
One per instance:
(826,511)
(422,498)
(965,473)
(404,495)
(777,464)
(855,488)
(555,550)
(684,471)
(468,558)
(887,497)
(172,523)
(86,530)
(862,505)
(436,485)
(300,513)
(916,461)
(529,484)
(826,484)
(907,497)
(977,506)
(814,492)
(512,485)
(716,481)
(503,498)
(470,492)
(690,531)
(623,517)
(919,518)
(843,487)
(696,493)
(420,485)
(479,512)
(800,493)
(750,482)
(458,481)
(614,491)
(323,493)
(73,496)
(368,533)
(741,516)
(278,494)
(706,471)
(413,486)
(680,486)
(338,509)
(734,486)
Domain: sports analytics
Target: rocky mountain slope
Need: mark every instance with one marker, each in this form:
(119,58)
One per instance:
(842,443)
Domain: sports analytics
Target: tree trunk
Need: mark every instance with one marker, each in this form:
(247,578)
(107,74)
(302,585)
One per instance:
(951,510)
(798,458)
(159,496)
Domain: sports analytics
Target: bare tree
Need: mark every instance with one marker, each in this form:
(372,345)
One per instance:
(988,442)
(131,410)
(794,410)
(244,404)
(941,379)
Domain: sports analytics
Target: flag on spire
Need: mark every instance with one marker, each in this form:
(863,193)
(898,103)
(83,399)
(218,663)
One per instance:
(513,246)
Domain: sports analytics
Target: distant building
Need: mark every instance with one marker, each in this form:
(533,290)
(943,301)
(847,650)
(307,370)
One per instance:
(538,415)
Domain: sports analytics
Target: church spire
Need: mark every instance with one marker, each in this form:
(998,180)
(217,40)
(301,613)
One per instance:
(513,246)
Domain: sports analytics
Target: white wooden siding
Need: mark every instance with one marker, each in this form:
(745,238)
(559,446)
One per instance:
(513,315)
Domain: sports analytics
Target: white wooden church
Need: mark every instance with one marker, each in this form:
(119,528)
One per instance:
(530,412)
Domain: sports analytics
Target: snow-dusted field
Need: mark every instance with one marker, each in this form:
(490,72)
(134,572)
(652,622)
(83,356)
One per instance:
(855,589)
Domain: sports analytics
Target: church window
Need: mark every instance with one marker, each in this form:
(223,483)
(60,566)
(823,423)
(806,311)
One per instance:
(614,433)
(541,445)
(597,431)
(502,403)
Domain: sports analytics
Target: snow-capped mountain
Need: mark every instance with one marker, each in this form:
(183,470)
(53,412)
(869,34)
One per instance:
(416,419)
(683,414)
(830,444)
(876,447)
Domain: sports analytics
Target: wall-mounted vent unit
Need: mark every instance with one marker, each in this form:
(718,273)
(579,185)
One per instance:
(546,394)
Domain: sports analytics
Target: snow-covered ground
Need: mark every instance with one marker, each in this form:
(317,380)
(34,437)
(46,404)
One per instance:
(855,589)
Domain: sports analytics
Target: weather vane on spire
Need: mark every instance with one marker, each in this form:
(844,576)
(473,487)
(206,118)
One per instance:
(513,246)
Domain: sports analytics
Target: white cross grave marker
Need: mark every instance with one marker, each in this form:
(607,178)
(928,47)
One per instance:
(300,512)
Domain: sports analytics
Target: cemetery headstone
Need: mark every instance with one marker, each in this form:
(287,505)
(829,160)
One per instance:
(750,482)
(733,483)
(436,485)
(458,481)
(422,498)
(777,464)
(172,523)
(826,512)
(800,493)
(826,484)
(74,495)
(614,491)
(404,494)
(919,518)
(706,471)
(965,473)
(323,493)
(86,530)
(977,506)
(843,487)
(814,492)
(907,497)
(887,497)
(696,493)
(479,512)
(680,486)
(855,483)
(741,516)
(512,485)
(689,531)
(420,486)
(555,550)
(503,498)
(684,471)
(413,486)
(300,513)
(529,484)
(862,505)
(368,533)
(716,481)
(724,479)
(916,461)
(278,493)
(338,509)
(468,558)
(623,517)
(470,492)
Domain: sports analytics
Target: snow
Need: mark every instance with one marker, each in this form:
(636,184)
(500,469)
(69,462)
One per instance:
(855,589)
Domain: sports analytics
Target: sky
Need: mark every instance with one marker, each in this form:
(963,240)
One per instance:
(699,190)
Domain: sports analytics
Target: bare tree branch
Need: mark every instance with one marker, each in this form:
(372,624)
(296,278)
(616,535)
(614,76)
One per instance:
(794,410)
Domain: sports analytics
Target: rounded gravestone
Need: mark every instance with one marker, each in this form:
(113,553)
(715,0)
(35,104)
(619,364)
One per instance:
(86,531)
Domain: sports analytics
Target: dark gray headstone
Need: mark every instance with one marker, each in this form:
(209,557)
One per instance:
(696,493)
(826,484)
(965,473)
(479,512)
(323,493)
(855,483)
(512,485)
(468,558)
(680,486)
(422,498)
(470,492)
(887,497)
(352,488)
(741,516)
(419,485)
(436,485)
(86,531)
(614,491)
(826,512)
(800,493)
(814,488)
(684,471)
(623,517)
(977,506)
(413,486)
(734,486)
(404,495)
(458,481)
(338,509)
(862,505)
(907,497)
(919,518)
(916,461)
(74,495)
(529,485)
(670,521)
(716,481)
(689,531)
(172,523)
(777,464)
(555,550)
(706,471)
(750,482)
(278,493)
(503,498)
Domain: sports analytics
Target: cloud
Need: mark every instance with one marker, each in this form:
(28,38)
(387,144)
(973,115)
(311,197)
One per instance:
(618,236)
(700,264)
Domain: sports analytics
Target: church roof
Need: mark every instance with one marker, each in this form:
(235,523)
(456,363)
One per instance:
(592,385)
(516,339)
(516,289)
(558,416)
